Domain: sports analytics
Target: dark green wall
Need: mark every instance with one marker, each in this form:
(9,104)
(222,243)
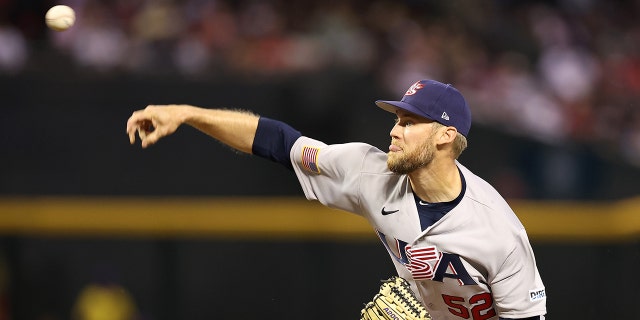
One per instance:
(66,136)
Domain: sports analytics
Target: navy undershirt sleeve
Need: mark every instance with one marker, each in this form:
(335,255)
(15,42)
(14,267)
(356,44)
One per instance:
(274,140)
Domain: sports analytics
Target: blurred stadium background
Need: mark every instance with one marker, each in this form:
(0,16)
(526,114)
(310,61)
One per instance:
(90,225)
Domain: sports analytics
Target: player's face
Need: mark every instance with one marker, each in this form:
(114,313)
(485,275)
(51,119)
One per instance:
(412,145)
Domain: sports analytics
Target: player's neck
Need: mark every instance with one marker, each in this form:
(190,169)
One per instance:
(437,182)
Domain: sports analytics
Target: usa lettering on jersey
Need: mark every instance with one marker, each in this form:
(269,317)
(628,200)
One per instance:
(428,263)
(423,262)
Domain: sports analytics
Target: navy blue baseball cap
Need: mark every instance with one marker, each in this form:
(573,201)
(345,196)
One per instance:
(436,101)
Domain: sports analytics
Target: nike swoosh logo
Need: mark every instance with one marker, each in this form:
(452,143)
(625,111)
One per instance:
(384,212)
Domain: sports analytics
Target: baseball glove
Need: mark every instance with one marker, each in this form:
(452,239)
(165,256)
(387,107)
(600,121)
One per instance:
(394,301)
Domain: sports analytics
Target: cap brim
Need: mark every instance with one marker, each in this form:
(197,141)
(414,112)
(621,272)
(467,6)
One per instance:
(393,106)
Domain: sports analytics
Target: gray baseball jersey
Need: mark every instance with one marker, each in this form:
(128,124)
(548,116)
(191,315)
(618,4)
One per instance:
(474,263)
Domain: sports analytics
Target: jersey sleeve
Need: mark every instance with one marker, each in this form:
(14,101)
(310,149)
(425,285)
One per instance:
(274,140)
(517,288)
(330,173)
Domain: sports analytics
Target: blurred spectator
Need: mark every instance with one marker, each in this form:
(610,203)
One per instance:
(13,49)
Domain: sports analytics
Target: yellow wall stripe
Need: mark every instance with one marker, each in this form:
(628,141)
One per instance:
(227,217)
(566,220)
(284,218)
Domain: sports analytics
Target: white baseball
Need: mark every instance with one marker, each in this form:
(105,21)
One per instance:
(60,18)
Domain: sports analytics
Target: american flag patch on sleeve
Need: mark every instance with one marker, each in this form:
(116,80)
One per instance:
(310,159)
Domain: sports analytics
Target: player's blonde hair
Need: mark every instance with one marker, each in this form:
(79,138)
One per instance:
(459,143)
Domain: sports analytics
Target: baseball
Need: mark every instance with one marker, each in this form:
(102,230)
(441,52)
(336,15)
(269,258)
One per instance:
(60,18)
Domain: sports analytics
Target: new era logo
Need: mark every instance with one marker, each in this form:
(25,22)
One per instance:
(445,116)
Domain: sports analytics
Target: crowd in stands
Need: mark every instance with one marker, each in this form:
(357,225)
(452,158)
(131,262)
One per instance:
(563,71)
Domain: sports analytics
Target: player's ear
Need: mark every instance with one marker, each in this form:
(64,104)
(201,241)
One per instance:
(447,134)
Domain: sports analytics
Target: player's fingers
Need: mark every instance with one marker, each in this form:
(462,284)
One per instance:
(140,122)
(151,124)
(133,120)
(131,131)
(150,138)
(133,123)
(132,136)
(151,133)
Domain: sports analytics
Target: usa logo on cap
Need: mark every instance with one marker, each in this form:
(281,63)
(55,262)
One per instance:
(414,88)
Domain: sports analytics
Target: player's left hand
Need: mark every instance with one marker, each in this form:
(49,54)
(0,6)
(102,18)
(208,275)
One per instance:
(153,123)
(394,301)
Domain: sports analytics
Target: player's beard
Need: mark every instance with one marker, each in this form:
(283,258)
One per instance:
(403,162)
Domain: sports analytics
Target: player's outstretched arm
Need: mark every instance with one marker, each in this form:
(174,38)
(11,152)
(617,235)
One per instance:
(232,127)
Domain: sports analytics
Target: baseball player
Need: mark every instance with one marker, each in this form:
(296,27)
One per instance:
(450,233)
